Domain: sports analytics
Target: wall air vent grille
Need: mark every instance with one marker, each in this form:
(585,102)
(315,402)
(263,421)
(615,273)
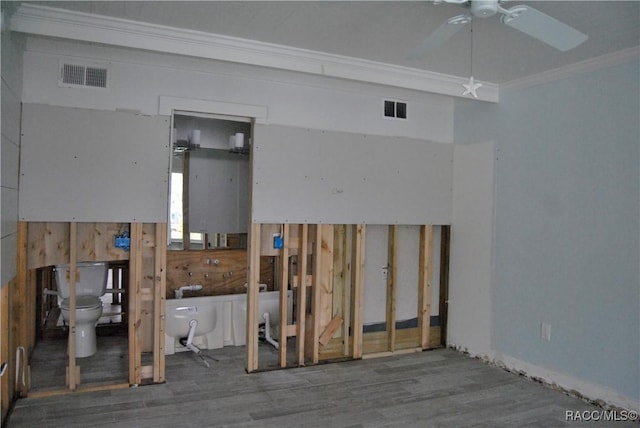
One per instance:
(394,109)
(79,75)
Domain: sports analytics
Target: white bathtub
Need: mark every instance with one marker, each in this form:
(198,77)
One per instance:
(230,319)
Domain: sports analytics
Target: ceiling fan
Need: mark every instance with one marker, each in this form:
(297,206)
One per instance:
(523,18)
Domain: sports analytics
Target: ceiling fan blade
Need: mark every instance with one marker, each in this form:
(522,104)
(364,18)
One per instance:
(543,27)
(440,35)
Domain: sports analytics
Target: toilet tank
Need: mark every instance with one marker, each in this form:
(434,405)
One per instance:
(91,279)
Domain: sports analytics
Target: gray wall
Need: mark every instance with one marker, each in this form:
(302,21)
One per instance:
(92,165)
(313,176)
(12,49)
(470,270)
(218,192)
(567,227)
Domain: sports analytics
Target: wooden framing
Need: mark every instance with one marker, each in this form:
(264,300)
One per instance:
(20,318)
(160,279)
(302,294)
(135,280)
(45,244)
(358,288)
(252,298)
(72,372)
(444,282)
(424,285)
(284,289)
(423,336)
(392,278)
(328,303)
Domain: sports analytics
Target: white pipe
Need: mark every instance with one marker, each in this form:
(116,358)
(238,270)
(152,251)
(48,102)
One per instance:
(190,346)
(267,331)
(194,287)
(192,332)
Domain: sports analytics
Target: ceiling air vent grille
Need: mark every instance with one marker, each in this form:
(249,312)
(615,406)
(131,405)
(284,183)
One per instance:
(79,75)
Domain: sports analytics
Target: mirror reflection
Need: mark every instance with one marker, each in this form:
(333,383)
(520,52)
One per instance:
(209,203)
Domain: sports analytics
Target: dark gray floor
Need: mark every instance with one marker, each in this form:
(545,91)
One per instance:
(50,359)
(428,389)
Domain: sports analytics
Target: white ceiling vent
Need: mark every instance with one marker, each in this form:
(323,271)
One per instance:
(83,75)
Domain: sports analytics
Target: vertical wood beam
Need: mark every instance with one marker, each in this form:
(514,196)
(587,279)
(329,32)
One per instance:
(347,249)
(252,298)
(315,294)
(18,302)
(135,320)
(73,270)
(6,396)
(159,295)
(302,293)
(392,275)
(358,288)
(424,284)
(444,282)
(284,290)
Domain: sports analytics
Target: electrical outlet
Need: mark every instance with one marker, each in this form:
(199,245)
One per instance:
(545,331)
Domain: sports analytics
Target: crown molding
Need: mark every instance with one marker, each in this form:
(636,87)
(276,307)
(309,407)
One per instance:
(609,60)
(67,24)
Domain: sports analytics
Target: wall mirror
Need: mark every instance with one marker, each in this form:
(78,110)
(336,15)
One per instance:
(209,186)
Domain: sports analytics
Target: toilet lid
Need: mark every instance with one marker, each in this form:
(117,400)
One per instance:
(83,302)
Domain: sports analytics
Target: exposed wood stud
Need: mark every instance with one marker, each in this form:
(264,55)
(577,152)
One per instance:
(159,287)
(73,270)
(135,284)
(444,282)
(18,300)
(81,388)
(358,289)
(331,328)
(347,285)
(316,290)
(392,275)
(252,298)
(302,295)
(424,286)
(284,291)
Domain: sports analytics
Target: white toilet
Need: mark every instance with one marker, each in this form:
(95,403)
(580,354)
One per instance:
(91,284)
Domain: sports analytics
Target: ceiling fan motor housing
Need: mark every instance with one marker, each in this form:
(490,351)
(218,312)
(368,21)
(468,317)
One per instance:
(484,8)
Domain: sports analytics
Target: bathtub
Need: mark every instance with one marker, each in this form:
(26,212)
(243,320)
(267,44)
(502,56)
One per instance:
(228,327)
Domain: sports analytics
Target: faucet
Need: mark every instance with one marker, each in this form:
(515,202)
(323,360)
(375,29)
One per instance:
(179,291)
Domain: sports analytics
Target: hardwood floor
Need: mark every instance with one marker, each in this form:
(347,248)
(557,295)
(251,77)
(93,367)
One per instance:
(430,389)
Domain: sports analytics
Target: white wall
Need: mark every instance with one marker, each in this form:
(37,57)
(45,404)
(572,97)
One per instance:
(93,166)
(313,176)
(470,271)
(138,78)
(218,197)
(12,47)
